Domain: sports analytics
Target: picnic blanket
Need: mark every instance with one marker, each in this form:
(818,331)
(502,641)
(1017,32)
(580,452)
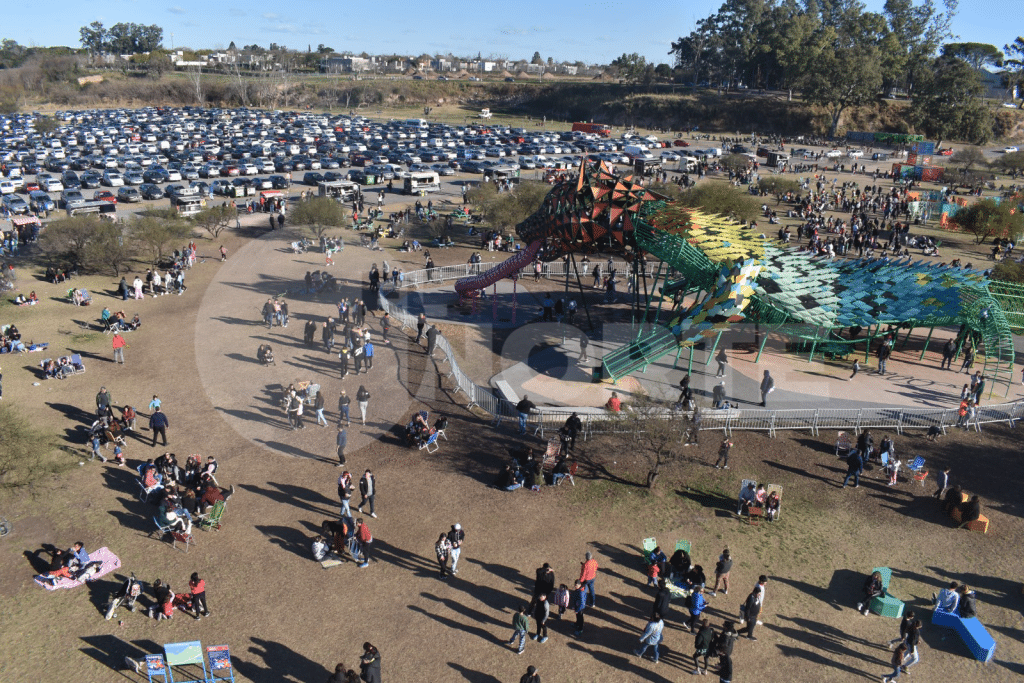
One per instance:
(110,563)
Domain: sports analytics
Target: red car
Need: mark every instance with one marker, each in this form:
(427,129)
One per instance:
(32,187)
(680,143)
(104,196)
(230,170)
(948,152)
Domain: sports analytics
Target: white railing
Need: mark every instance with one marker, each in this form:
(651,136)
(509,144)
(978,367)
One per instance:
(598,421)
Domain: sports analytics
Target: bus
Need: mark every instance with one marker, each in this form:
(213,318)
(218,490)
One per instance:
(416,123)
(596,128)
(422,182)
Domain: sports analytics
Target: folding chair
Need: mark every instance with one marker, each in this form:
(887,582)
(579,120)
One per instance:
(432,441)
(77,366)
(176,536)
(917,466)
(211,520)
(843,443)
(573,468)
(649,544)
(144,492)
(683,545)
(920,477)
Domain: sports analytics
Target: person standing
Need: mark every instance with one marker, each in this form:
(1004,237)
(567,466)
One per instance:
(368,491)
(943,477)
(344,403)
(662,599)
(752,609)
(702,646)
(456,537)
(908,620)
(725,668)
(584,343)
(223,249)
(723,361)
(118,345)
(158,423)
(385,326)
(579,603)
(341,442)
(979,390)
(104,403)
(897,663)
(722,569)
(588,574)
(723,456)
(345,493)
(948,351)
(523,408)
(520,624)
(421,322)
(368,355)
(443,550)
(543,584)
(369,664)
(541,612)
(318,406)
(651,637)
(767,387)
(431,340)
(365,539)
(198,588)
(363,399)
(696,604)
(531,675)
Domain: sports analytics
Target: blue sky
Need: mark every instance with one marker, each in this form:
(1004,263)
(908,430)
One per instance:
(590,31)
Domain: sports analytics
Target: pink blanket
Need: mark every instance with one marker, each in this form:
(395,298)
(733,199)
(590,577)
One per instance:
(110,563)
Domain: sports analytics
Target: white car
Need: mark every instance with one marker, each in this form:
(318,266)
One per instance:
(833,154)
(855,153)
(669,156)
(113,179)
(1009,150)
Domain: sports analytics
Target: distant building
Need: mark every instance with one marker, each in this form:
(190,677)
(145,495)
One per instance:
(345,64)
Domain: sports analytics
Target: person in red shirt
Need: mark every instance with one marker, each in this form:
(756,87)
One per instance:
(198,588)
(119,345)
(614,404)
(588,572)
(365,539)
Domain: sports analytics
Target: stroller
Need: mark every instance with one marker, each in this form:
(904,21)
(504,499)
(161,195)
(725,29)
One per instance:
(265,354)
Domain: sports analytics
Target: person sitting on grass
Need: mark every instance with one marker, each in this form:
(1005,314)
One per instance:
(771,507)
(680,562)
(614,404)
(872,589)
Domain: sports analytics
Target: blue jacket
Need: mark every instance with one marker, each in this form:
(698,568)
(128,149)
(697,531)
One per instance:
(697,603)
(158,420)
(368,350)
(652,634)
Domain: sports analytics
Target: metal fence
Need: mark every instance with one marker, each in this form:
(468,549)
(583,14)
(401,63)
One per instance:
(597,421)
(552,270)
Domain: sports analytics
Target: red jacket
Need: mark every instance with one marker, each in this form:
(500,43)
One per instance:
(197,587)
(363,533)
(588,571)
(119,342)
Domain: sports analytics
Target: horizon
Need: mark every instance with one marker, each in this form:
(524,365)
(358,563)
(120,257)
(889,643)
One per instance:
(568,32)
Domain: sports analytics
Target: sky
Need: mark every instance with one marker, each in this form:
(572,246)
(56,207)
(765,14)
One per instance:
(592,31)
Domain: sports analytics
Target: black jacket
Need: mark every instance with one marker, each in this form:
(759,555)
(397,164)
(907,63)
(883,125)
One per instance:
(545,582)
(663,601)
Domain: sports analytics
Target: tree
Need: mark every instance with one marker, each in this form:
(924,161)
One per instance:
(720,198)
(1014,64)
(213,219)
(967,159)
(631,67)
(913,33)
(45,125)
(68,238)
(844,77)
(26,459)
(663,71)
(319,214)
(986,218)
(157,236)
(12,55)
(978,55)
(737,163)
(778,186)
(195,77)
(93,38)
(646,430)
(505,210)
(948,103)
(1011,163)
(109,247)
(537,59)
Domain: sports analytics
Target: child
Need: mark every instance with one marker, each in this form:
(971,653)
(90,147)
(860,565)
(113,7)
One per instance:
(652,574)
(856,369)
(520,627)
(320,548)
(894,468)
(562,600)
(96,449)
(118,456)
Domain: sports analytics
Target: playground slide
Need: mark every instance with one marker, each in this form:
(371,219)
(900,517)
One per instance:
(470,286)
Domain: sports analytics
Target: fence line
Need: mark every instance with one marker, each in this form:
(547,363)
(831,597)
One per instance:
(458,271)
(597,421)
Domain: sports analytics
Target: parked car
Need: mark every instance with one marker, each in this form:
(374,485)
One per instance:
(112,179)
(104,196)
(15,204)
(128,194)
(40,201)
(150,191)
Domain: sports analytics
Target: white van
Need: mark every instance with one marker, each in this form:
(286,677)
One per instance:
(422,182)
(416,123)
(635,152)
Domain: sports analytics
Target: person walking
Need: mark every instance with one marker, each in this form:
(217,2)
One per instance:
(158,423)
(198,588)
(908,620)
(456,537)
(968,360)
(588,574)
(318,407)
(365,539)
(696,603)
(421,322)
(856,369)
(363,399)
(722,569)
(651,637)
(443,550)
(520,624)
(523,408)
(118,344)
(752,609)
(341,441)
(368,491)
(767,387)
(344,402)
(854,466)
(897,663)
(431,340)
(224,251)
(541,612)
(883,353)
(943,477)
(385,326)
(723,454)
(584,343)
(702,647)
(368,355)
(579,604)
(723,361)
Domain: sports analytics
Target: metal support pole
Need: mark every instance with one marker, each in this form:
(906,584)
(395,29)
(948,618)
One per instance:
(711,353)
(760,350)
(928,339)
(583,296)
(689,366)
(906,338)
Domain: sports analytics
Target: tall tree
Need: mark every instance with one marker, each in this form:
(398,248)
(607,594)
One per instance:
(631,67)
(537,59)
(978,55)
(948,103)
(1014,74)
(844,77)
(917,31)
(93,37)
(986,218)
